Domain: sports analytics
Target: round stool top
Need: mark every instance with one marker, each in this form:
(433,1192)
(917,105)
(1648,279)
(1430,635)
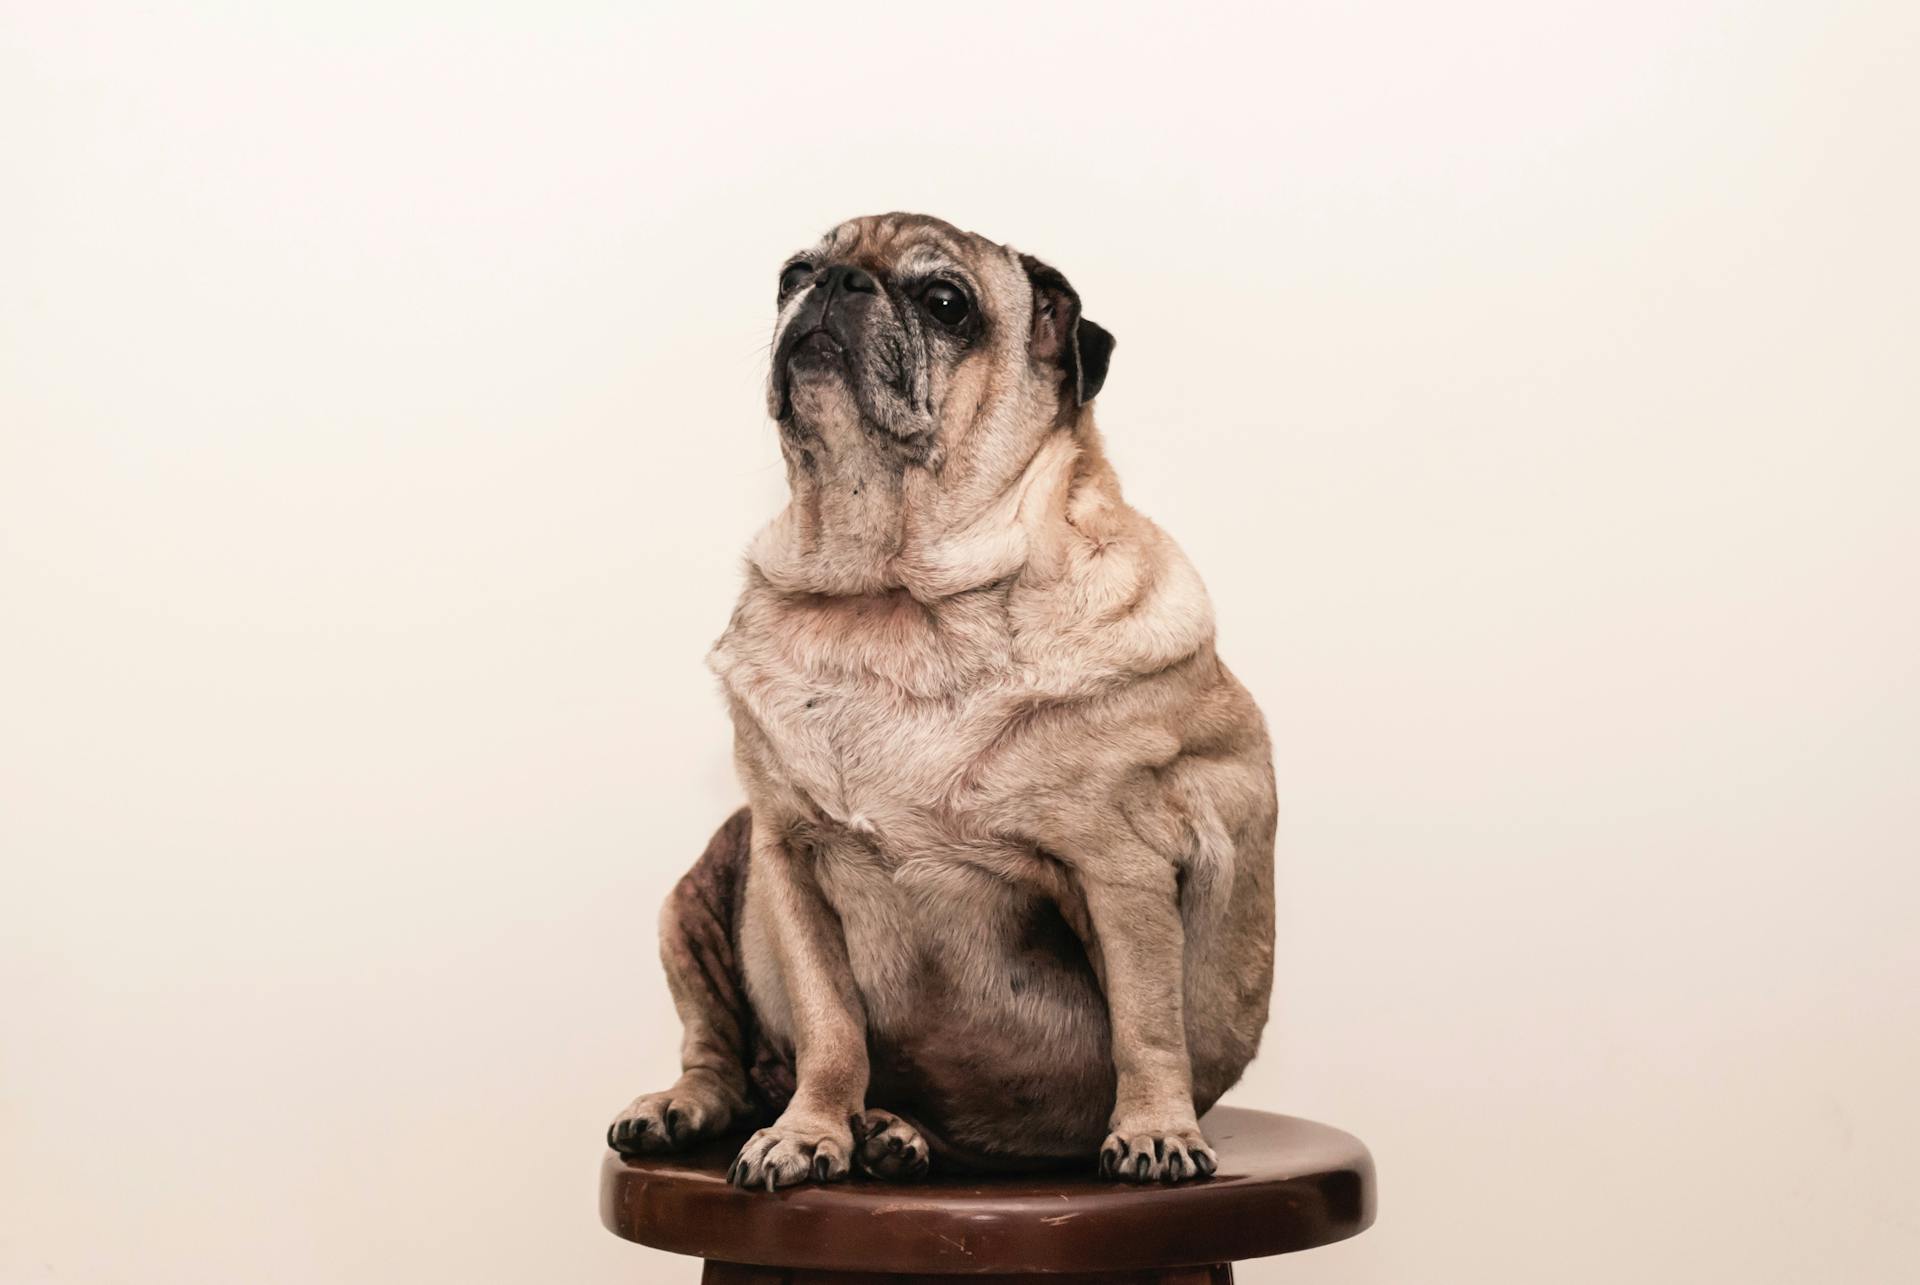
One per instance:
(1283,1184)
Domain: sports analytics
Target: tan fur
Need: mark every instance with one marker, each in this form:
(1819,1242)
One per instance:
(1012,819)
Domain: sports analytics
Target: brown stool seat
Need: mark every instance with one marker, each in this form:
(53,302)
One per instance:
(1284,1184)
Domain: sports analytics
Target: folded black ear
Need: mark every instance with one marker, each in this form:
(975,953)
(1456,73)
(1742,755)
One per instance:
(1061,336)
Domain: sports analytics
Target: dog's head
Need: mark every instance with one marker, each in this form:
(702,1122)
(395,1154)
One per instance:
(902,336)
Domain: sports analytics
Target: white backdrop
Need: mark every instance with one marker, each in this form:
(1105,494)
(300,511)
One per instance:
(380,426)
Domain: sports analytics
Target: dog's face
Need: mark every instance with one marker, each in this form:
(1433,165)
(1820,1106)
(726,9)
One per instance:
(902,335)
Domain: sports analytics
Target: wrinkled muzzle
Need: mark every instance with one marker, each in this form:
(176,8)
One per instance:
(846,331)
(826,337)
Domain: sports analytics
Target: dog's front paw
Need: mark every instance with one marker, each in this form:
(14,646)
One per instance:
(888,1147)
(793,1151)
(674,1120)
(1148,1154)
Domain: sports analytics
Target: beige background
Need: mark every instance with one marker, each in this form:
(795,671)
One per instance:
(380,425)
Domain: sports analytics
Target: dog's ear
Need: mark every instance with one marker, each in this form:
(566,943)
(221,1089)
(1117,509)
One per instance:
(1079,348)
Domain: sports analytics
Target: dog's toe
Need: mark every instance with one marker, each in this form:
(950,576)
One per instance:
(670,1121)
(1150,1155)
(787,1153)
(888,1147)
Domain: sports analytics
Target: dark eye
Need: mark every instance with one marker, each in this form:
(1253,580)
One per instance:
(793,276)
(946,304)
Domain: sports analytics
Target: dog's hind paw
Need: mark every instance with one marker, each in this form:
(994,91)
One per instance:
(674,1120)
(885,1146)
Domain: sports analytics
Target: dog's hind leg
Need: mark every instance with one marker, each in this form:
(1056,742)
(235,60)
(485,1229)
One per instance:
(719,1045)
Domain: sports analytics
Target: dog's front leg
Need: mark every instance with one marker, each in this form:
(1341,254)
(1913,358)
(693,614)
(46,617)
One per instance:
(813,1138)
(1133,906)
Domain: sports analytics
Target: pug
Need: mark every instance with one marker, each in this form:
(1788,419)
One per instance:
(1002,894)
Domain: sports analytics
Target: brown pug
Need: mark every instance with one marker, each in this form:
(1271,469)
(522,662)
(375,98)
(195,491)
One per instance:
(1003,894)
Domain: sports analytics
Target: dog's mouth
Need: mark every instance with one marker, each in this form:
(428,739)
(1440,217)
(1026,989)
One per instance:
(815,344)
(814,351)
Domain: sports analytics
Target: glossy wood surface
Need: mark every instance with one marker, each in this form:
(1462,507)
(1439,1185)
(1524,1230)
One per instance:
(1284,1184)
(734,1274)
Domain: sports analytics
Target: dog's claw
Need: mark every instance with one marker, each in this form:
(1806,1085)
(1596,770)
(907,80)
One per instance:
(788,1153)
(890,1147)
(674,1120)
(1149,1155)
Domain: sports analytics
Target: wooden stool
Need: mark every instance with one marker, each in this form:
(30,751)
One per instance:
(1284,1184)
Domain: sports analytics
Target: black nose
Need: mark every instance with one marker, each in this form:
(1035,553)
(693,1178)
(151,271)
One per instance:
(852,280)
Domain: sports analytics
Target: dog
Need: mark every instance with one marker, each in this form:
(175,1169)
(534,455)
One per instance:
(1002,894)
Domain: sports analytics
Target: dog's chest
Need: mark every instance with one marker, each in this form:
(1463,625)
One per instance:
(878,711)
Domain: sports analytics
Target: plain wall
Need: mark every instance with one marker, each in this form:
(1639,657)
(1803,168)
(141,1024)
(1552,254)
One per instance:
(381,425)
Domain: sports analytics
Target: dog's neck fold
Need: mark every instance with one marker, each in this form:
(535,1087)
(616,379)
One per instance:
(854,531)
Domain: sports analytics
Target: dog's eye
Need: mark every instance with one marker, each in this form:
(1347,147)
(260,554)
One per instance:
(794,275)
(945,303)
